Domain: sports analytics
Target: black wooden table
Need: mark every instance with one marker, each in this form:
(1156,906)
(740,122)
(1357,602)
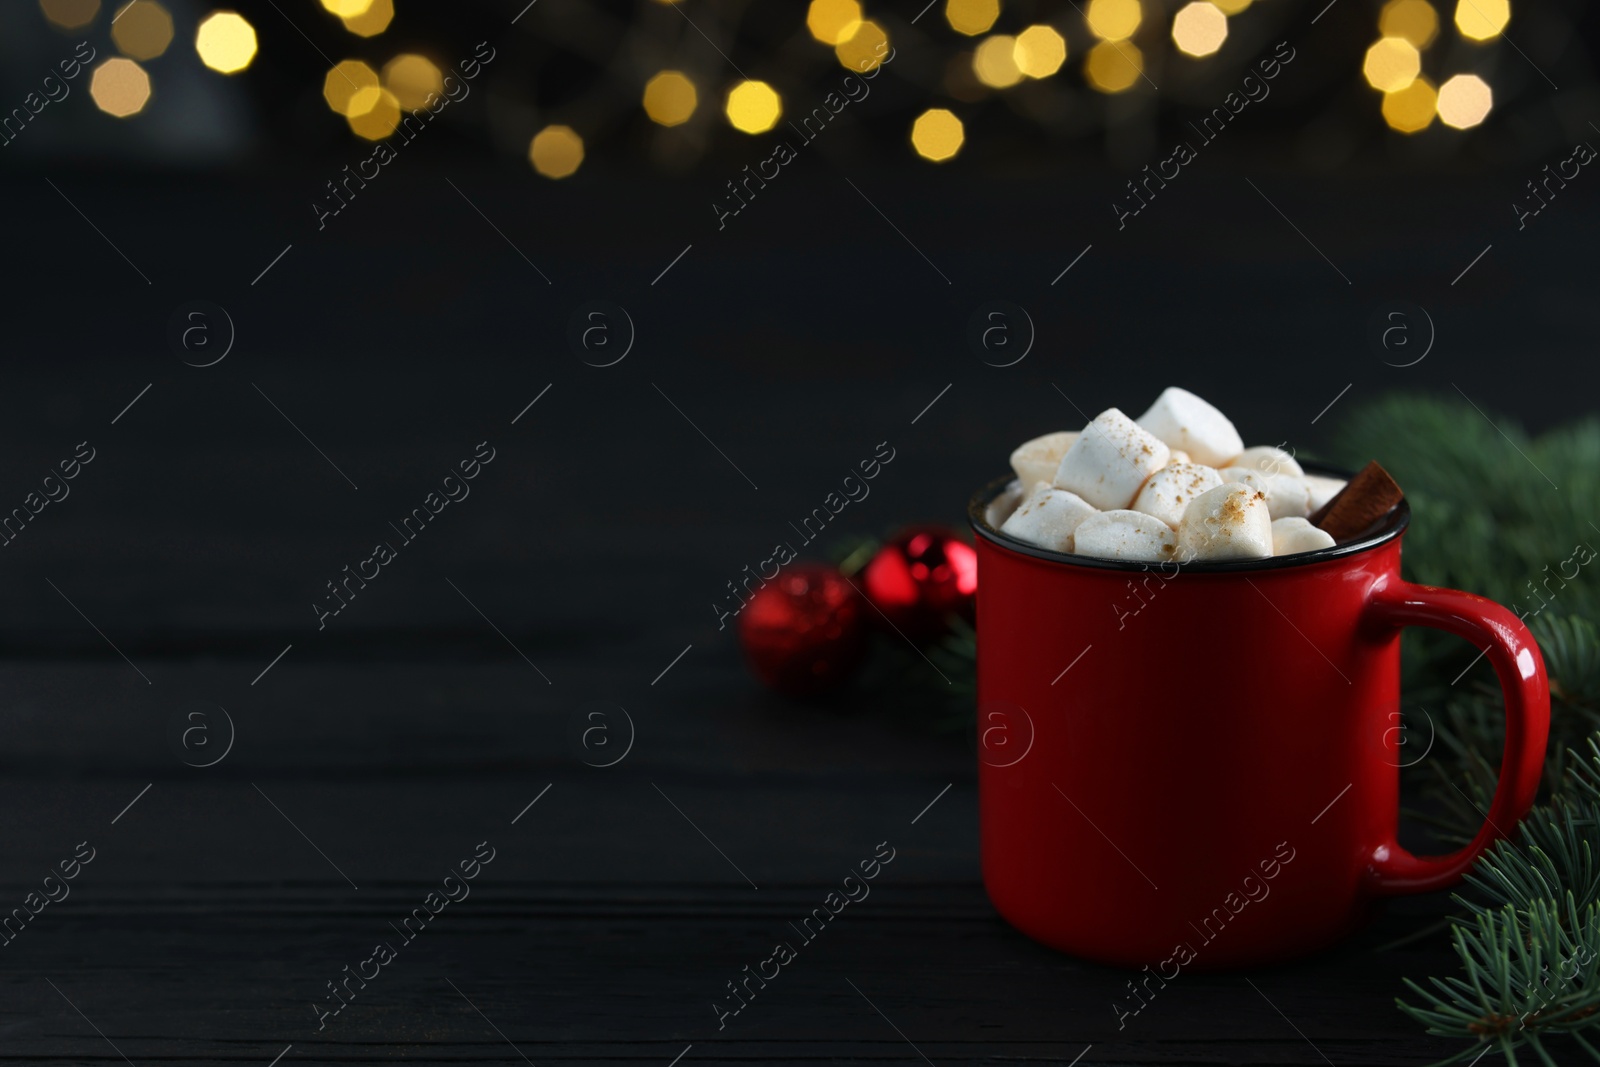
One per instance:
(432,719)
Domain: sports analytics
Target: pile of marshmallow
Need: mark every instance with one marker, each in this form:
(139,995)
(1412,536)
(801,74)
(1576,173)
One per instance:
(1175,484)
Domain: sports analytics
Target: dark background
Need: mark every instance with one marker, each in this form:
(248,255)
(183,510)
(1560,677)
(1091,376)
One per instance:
(824,319)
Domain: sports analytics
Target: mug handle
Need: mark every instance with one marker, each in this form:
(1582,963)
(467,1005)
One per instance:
(1515,655)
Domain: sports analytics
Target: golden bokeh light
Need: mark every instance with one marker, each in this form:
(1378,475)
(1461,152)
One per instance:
(937,135)
(833,21)
(1464,101)
(1415,20)
(120,87)
(225,41)
(1412,108)
(556,151)
(866,48)
(373,21)
(753,107)
(1112,67)
(373,113)
(1114,20)
(1392,64)
(412,78)
(994,61)
(142,29)
(1199,29)
(70,14)
(342,83)
(1231,7)
(346,9)
(1039,51)
(670,98)
(1482,19)
(971,17)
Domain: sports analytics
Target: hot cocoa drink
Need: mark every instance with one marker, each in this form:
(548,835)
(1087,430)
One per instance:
(1178,483)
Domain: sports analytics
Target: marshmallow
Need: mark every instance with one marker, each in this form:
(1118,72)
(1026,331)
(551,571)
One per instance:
(1287,496)
(1110,460)
(1125,535)
(1001,507)
(1178,455)
(1322,489)
(1228,522)
(1184,421)
(1037,460)
(1047,517)
(1168,491)
(1267,459)
(1297,535)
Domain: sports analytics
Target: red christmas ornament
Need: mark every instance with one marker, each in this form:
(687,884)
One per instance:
(922,577)
(805,631)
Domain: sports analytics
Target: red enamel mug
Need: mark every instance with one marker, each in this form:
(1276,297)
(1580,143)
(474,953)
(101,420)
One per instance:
(1198,765)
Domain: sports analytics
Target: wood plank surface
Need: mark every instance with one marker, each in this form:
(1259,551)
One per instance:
(370,754)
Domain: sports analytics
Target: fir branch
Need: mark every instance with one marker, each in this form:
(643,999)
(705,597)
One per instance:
(1486,518)
(1529,944)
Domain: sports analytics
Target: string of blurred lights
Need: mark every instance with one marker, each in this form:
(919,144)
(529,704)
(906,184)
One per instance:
(373,102)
